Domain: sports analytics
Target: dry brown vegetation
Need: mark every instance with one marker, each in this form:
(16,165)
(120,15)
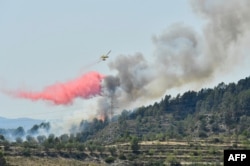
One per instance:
(48,161)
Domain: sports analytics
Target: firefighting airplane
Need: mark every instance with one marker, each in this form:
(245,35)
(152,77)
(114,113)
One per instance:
(105,56)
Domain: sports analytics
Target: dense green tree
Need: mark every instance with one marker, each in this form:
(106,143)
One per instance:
(19,132)
(109,159)
(134,144)
(41,138)
(2,159)
(30,139)
(33,130)
(69,146)
(64,138)
(80,147)
(244,102)
(2,138)
(51,138)
(171,160)
(19,140)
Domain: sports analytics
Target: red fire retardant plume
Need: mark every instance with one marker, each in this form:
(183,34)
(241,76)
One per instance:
(86,86)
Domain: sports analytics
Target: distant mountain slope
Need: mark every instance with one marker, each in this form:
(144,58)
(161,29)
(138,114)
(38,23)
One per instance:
(26,123)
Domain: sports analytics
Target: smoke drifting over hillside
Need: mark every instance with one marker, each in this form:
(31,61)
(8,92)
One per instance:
(183,56)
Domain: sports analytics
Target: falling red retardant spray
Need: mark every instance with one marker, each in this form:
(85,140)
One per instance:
(86,86)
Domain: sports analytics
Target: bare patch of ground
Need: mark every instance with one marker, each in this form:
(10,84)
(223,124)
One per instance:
(48,161)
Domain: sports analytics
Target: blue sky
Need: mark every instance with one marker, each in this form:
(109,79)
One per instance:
(44,42)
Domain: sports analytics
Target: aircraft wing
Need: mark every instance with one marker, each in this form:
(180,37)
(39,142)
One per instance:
(108,52)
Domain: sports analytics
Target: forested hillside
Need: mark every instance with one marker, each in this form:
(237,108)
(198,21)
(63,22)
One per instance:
(187,129)
(221,111)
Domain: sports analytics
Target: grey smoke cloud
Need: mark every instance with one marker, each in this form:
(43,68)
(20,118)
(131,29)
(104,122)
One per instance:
(183,56)
(226,30)
(131,72)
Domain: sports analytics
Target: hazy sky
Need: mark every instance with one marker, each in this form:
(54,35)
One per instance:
(44,42)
